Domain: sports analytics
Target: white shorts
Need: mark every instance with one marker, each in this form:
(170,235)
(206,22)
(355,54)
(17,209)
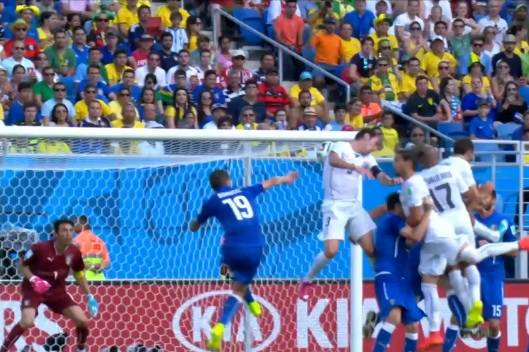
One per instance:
(339,216)
(436,255)
(462,224)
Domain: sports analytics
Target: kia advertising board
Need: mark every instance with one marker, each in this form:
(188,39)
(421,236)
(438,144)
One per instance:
(178,318)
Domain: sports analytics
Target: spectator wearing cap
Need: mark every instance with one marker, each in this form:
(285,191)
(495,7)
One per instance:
(165,12)
(328,46)
(310,120)
(43,90)
(210,83)
(140,55)
(61,57)
(338,123)
(250,98)
(168,57)
(136,31)
(382,24)
(59,97)
(289,29)
(494,20)
(272,94)
(469,102)
(127,17)
(20,30)
(402,22)
(194,26)
(235,88)
(112,46)
(317,99)
(350,45)
(184,64)
(219,112)
(116,69)
(238,58)
(360,19)
(18,59)
(49,23)
(423,104)
(268,62)
(179,34)
(29,13)
(385,83)
(82,106)
(247,119)
(431,60)
(482,126)
(79,45)
(509,57)
(25,96)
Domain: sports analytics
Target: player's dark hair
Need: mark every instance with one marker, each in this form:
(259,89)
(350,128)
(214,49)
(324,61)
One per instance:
(57,224)
(365,131)
(392,200)
(463,145)
(408,155)
(218,179)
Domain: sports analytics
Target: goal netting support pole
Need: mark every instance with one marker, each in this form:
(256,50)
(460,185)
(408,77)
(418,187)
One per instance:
(140,188)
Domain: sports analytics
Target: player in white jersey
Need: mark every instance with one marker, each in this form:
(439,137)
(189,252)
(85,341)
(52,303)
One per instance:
(440,239)
(344,168)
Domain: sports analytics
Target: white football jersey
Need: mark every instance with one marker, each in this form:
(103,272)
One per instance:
(343,184)
(446,186)
(462,167)
(414,192)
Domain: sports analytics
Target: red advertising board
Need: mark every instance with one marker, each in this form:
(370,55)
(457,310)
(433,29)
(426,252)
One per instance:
(177,317)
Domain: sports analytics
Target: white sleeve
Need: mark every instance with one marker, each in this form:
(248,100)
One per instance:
(467,175)
(371,161)
(418,191)
(338,147)
(140,77)
(461,184)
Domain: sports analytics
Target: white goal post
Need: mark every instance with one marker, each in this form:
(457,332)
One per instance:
(188,147)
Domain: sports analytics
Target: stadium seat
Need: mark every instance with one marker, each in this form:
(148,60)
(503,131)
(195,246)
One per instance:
(453,130)
(488,152)
(253,19)
(505,130)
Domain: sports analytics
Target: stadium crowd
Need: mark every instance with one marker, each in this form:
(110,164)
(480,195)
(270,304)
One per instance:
(459,66)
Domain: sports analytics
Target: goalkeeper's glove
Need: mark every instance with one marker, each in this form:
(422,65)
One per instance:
(40,286)
(93,307)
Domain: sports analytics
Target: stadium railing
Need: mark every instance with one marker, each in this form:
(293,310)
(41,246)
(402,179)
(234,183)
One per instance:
(282,50)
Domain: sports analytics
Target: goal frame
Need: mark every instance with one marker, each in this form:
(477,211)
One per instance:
(356,270)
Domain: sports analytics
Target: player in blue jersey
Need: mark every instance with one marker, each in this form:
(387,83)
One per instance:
(493,273)
(395,295)
(242,244)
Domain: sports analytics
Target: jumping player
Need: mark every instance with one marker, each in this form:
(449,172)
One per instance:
(242,244)
(440,239)
(342,209)
(45,268)
(395,295)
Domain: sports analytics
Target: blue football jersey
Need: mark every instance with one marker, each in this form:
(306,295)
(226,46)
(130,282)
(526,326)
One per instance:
(236,210)
(495,265)
(390,247)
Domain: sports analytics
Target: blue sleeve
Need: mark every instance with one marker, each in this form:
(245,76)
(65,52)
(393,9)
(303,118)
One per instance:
(397,225)
(509,235)
(206,211)
(254,191)
(196,94)
(474,126)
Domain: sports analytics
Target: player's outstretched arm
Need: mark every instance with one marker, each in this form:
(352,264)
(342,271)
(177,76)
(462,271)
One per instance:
(288,179)
(39,285)
(418,232)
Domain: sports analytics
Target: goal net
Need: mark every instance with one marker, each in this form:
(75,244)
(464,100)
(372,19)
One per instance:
(139,190)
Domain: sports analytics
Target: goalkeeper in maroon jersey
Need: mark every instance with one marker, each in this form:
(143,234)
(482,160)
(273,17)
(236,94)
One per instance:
(45,268)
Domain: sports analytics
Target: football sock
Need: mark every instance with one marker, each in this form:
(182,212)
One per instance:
(410,342)
(12,337)
(432,305)
(319,262)
(231,305)
(383,337)
(450,338)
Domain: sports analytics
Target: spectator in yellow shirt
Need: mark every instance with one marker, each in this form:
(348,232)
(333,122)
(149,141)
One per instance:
(390,139)
(164,12)
(354,116)
(350,45)
(127,16)
(408,77)
(81,107)
(431,59)
(124,99)
(115,70)
(130,118)
(383,82)
(317,99)
(382,24)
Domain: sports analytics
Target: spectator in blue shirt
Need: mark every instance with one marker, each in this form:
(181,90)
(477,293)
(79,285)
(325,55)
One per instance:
(79,45)
(210,83)
(137,30)
(469,102)
(112,45)
(482,126)
(128,81)
(94,78)
(360,19)
(16,112)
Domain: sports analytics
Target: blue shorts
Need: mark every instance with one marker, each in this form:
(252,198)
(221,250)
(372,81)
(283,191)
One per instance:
(492,296)
(242,262)
(391,292)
